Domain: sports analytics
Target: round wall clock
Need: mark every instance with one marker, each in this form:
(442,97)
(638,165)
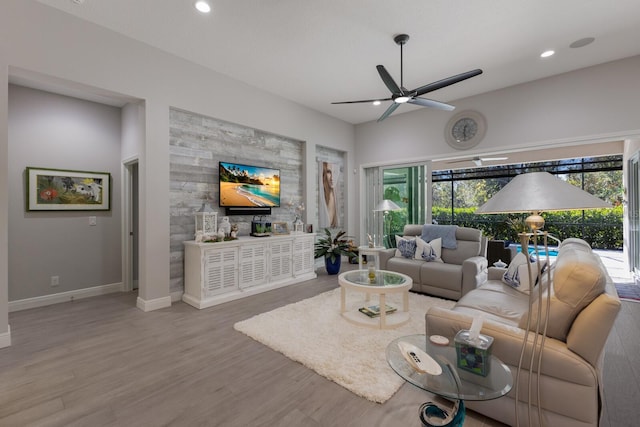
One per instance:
(465,130)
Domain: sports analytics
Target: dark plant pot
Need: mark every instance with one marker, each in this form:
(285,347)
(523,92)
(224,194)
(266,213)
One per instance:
(332,267)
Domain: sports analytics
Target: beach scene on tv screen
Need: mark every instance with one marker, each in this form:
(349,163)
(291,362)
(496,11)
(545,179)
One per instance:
(249,186)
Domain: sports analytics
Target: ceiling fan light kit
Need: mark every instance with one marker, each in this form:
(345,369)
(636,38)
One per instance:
(401,95)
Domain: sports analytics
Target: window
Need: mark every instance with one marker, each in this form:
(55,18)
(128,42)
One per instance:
(458,193)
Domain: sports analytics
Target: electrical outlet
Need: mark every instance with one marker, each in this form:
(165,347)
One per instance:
(55,280)
(93,220)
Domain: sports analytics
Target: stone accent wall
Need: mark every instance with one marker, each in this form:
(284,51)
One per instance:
(196,144)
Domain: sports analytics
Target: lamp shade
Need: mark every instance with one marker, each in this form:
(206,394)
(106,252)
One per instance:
(539,192)
(387,205)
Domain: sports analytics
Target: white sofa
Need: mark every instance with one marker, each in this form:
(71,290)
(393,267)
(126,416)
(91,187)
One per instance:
(584,306)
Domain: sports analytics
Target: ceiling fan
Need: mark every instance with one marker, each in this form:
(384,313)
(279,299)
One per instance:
(478,160)
(400,94)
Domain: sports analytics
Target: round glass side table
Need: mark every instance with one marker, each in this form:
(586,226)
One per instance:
(455,384)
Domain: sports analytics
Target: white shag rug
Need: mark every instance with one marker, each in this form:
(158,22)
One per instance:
(314,333)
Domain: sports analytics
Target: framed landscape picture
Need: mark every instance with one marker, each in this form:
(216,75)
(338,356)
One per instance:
(279,228)
(67,190)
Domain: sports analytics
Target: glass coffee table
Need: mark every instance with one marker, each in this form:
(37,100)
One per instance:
(453,383)
(382,283)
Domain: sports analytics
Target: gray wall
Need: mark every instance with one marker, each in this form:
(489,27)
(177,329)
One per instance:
(53,131)
(590,105)
(51,47)
(197,143)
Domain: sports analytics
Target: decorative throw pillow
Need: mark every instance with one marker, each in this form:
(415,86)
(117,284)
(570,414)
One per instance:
(517,274)
(406,247)
(431,251)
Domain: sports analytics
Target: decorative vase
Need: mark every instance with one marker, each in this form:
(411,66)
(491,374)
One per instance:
(332,267)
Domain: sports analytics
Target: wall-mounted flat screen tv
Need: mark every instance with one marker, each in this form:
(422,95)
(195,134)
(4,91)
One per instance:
(245,186)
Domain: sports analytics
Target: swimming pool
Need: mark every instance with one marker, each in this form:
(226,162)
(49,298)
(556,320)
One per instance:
(553,251)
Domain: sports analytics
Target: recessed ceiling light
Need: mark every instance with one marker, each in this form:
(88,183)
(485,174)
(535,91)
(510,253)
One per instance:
(547,53)
(377,102)
(582,42)
(203,6)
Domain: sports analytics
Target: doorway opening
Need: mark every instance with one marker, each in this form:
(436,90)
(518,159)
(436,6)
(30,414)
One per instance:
(130,229)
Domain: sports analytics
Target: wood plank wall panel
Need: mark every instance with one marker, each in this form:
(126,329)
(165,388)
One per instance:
(196,144)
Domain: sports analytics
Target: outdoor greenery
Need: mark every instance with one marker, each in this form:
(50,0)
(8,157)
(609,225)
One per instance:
(602,228)
(456,194)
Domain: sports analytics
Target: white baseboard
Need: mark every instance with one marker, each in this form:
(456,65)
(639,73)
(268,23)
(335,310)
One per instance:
(5,338)
(154,304)
(41,301)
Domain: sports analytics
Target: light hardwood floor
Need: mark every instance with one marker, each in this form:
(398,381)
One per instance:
(102,362)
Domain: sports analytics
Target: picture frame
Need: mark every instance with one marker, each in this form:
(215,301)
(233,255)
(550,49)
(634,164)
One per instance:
(278,228)
(67,190)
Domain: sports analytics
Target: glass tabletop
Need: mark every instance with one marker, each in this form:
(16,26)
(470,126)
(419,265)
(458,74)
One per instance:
(382,278)
(497,383)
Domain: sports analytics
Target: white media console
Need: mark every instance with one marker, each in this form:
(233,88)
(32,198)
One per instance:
(219,272)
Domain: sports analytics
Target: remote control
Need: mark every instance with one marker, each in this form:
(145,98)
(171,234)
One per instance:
(418,359)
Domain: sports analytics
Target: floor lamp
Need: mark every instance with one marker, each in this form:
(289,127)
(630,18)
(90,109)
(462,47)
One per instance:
(535,193)
(386,206)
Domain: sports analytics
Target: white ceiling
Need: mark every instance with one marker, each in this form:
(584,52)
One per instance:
(317,52)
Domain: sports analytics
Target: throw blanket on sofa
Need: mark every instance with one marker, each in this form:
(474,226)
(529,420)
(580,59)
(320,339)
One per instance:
(446,232)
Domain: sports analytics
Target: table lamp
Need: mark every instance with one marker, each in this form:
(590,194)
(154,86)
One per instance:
(534,193)
(385,206)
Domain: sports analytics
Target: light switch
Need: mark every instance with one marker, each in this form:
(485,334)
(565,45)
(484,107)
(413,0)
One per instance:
(92,220)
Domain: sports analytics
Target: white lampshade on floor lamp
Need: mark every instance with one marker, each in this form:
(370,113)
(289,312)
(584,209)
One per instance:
(386,206)
(534,193)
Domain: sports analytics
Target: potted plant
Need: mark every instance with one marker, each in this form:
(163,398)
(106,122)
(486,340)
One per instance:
(332,247)
(517,226)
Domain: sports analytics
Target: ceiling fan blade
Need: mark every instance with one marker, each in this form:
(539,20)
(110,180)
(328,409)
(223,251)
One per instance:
(390,110)
(431,103)
(478,160)
(388,80)
(364,100)
(446,82)
(492,159)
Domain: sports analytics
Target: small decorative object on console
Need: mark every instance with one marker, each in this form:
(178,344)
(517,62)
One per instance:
(225,226)
(260,226)
(206,223)
(280,228)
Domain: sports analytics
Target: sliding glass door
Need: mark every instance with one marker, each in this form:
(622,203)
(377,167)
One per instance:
(406,186)
(634,213)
